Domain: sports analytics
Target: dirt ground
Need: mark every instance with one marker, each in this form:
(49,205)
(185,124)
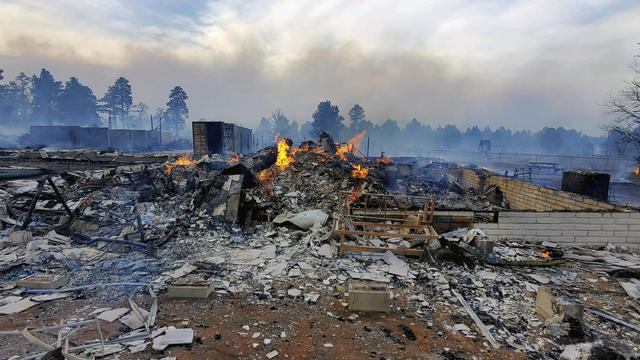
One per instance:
(218,324)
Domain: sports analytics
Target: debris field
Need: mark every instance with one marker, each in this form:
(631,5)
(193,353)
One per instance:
(308,252)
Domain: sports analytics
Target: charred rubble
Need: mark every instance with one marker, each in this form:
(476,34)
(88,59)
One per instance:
(264,226)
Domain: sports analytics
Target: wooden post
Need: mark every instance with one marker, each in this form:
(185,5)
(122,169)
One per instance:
(367,148)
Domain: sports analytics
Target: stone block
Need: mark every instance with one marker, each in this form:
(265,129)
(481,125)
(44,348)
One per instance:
(190,289)
(42,281)
(369,297)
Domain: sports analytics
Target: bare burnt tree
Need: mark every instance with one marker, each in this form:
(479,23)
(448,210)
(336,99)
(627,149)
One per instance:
(625,107)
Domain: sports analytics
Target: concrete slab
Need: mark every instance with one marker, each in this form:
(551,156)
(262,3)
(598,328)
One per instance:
(42,281)
(190,289)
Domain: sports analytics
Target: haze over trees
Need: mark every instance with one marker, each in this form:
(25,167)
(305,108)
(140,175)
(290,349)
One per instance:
(418,138)
(43,100)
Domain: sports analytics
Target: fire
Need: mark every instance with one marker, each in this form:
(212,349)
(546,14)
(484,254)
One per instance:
(275,140)
(384,160)
(301,149)
(430,162)
(359,173)
(355,194)
(351,146)
(187,160)
(637,171)
(545,254)
(487,169)
(284,158)
(235,158)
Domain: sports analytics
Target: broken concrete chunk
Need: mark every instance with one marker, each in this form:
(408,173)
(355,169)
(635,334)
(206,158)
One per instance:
(180,272)
(559,308)
(272,354)
(327,251)
(178,336)
(113,315)
(293,292)
(19,237)
(304,220)
(17,306)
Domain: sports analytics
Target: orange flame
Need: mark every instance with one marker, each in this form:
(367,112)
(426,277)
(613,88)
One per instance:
(384,160)
(351,146)
(637,171)
(301,149)
(545,254)
(275,140)
(487,169)
(235,158)
(187,160)
(284,158)
(430,162)
(355,194)
(359,173)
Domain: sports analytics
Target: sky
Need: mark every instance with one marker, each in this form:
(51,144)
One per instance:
(522,64)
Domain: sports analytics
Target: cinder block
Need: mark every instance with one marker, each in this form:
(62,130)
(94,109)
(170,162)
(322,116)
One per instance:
(190,289)
(603,221)
(368,297)
(576,221)
(589,227)
(615,227)
(551,220)
(624,234)
(600,233)
(589,215)
(620,215)
(42,281)
(574,233)
(634,227)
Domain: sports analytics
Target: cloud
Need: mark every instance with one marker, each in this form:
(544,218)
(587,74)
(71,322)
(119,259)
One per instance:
(522,64)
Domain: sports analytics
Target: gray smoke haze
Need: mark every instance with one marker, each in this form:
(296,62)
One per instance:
(555,80)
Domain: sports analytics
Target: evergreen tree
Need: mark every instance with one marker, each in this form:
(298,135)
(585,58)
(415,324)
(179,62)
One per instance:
(326,118)
(356,114)
(177,110)
(77,104)
(117,101)
(45,91)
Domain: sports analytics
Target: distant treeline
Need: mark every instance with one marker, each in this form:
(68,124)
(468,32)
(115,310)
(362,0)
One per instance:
(41,100)
(417,137)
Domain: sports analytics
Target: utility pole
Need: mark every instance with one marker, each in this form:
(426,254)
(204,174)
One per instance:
(151,118)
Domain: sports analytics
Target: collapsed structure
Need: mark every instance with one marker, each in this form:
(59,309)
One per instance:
(300,251)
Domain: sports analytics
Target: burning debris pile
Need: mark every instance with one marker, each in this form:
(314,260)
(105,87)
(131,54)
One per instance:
(260,231)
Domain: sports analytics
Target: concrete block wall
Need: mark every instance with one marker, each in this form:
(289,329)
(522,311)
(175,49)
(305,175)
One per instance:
(527,196)
(471,179)
(568,228)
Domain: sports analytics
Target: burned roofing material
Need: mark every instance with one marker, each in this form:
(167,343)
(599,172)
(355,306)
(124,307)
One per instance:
(243,257)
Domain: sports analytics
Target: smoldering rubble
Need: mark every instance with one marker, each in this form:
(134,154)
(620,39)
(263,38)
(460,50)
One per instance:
(272,228)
